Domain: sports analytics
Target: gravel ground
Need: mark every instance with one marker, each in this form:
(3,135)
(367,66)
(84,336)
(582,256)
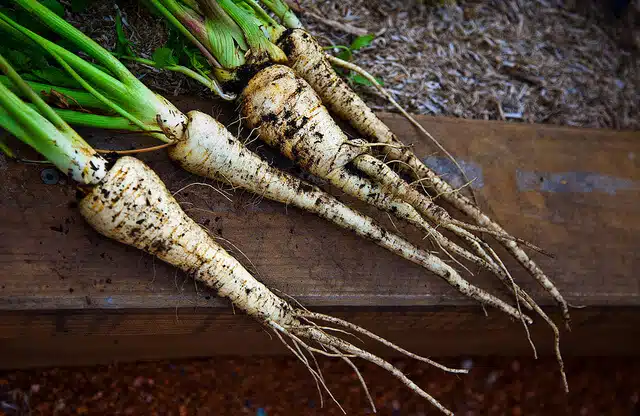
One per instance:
(278,386)
(541,61)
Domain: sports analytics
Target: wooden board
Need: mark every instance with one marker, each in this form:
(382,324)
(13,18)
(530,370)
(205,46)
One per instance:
(574,191)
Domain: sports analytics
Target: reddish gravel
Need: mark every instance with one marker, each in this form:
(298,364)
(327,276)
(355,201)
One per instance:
(279,386)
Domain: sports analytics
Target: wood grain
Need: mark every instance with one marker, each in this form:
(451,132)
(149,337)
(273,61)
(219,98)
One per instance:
(582,206)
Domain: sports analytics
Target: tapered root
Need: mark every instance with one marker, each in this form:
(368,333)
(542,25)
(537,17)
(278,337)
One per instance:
(413,166)
(348,65)
(341,346)
(396,186)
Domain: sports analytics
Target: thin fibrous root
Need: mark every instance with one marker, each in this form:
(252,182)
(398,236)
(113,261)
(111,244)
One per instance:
(348,65)
(224,194)
(304,361)
(323,338)
(135,151)
(356,328)
(556,336)
(464,205)
(517,296)
(309,61)
(525,243)
(359,375)
(520,294)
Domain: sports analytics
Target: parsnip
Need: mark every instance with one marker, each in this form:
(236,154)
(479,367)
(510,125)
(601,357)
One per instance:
(208,149)
(309,61)
(290,116)
(133,206)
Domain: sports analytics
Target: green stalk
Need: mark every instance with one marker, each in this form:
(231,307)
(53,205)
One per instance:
(76,98)
(44,130)
(225,38)
(109,84)
(35,99)
(167,8)
(77,118)
(251,27)
(274,28)
(211,83)
(284,13)
(115,107)
(82,41)
(10,125)
(132,100)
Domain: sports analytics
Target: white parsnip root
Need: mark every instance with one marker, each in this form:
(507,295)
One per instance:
(289,116)
(133,207)
(210,150)
(309,62)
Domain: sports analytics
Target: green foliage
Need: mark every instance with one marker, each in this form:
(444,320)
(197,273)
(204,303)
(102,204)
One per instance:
(361,42)
(163,57)
(123,44)
(185,53)
(34,64)
(175,52)
(346,54)
(359,79)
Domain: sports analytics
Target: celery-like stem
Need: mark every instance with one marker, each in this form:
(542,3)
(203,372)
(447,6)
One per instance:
(113,87)
(44,130)
(82,41)
(223,35)
(284,13)
(212,84)
(77,118)
(71,97)
(35,99)
(167,8)
(252,28)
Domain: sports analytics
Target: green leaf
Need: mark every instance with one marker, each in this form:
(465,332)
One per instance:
(123,45)
(19,60)
(197,61)
(25,59)
(345,55)
(55,76)
(362,41)
(54,6)
(164,57)
(359,79)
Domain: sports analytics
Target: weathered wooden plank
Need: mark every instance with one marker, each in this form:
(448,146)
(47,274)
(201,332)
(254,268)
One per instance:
(64,337)
(573,191)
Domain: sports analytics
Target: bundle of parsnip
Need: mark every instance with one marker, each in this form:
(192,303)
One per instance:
(286,86)
(126,201)
(238,39)
(284,80)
